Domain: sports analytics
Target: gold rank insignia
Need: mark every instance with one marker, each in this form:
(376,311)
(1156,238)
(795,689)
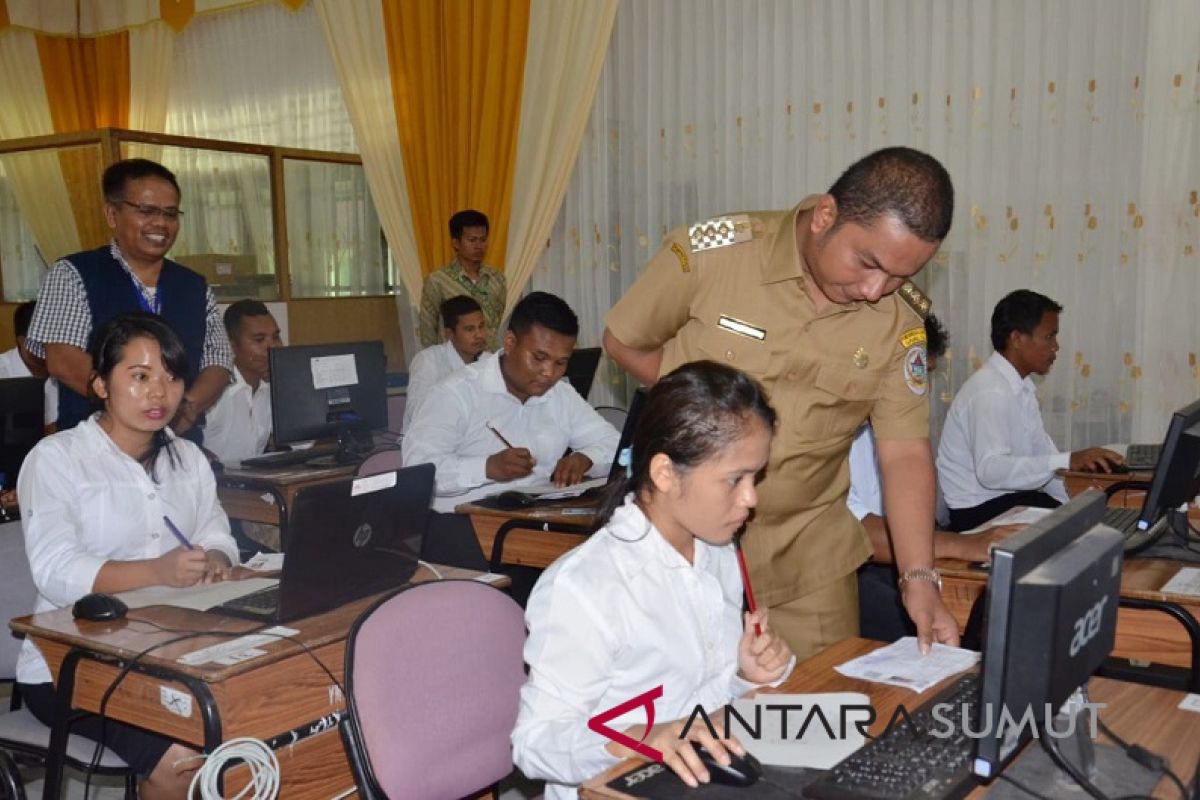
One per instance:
(861,359)
(915,299)
(678,250)
(720,231)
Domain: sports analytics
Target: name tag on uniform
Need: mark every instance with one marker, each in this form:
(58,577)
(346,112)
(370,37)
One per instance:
(741,328)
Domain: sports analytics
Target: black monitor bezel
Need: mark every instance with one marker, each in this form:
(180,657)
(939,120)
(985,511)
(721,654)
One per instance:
(291,372)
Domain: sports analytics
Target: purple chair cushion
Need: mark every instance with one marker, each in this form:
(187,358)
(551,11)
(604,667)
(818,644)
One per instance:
(436,677)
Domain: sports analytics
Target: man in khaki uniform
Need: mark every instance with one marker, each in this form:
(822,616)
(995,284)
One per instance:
(814,302)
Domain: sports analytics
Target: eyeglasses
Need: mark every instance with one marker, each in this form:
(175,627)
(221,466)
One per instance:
(148,212)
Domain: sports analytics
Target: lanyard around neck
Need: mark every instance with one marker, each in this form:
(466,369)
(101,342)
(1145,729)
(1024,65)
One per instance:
(146,306)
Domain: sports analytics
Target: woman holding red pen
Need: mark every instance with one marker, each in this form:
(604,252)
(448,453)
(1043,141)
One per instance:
(654,597)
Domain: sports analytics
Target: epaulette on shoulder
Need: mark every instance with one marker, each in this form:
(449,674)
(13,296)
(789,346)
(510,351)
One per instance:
(915,299)
(720,231)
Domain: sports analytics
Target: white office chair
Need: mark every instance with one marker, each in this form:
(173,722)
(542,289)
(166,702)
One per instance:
(22,735)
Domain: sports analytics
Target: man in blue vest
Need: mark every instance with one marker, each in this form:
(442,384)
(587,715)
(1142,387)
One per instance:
(131,273)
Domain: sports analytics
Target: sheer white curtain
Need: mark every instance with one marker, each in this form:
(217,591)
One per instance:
(1069,129)
(263,75)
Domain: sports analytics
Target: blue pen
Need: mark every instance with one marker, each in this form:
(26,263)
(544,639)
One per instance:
(178,534)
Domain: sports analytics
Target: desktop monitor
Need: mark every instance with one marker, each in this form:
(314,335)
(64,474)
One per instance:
(617,471)
(1051,621)
(329,390)
(22,414)
(1176,478)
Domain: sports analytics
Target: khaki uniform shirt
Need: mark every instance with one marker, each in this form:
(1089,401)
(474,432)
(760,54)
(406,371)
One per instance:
(735,293)
(490,291)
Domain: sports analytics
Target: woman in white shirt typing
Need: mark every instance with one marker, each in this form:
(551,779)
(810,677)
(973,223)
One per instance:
(93,501)
(654,597)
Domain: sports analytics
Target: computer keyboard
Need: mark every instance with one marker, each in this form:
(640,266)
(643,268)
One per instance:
(264,602)
(288,458)
(909,762)
(1122,519)
(1143,456)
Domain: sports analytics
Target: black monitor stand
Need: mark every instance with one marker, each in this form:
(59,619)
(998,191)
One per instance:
(1072,735)
(354,445)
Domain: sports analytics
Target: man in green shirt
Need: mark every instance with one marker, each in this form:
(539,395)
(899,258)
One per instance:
(465,275)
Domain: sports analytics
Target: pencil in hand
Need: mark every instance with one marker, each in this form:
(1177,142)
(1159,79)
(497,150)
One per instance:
(750,604)
(500,436)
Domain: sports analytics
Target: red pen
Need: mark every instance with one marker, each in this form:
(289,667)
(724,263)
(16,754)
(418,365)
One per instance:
(746,586)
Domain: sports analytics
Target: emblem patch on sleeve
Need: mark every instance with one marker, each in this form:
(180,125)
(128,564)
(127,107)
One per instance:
(916,373)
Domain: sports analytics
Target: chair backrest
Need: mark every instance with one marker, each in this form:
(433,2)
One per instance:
(434,675)
(613,416)
(18,595)
(581,369)
(380,461)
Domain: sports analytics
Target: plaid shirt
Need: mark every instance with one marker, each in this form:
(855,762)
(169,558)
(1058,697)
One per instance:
(63,316)
(490,291)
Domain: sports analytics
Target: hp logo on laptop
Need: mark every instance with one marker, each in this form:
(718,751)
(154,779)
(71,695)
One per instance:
(362,535)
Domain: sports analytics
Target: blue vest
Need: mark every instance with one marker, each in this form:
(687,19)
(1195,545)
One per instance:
(182,298)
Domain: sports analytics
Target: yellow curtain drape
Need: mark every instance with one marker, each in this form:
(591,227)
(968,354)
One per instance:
(87,87)
(456,70)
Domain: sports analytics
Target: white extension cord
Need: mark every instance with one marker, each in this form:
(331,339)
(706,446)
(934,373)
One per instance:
(264,770)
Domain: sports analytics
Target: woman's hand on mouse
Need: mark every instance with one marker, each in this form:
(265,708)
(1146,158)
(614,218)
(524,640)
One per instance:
(180,567)
(679,753)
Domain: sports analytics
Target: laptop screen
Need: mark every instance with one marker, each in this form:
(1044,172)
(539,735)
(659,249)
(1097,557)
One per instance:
(354,537)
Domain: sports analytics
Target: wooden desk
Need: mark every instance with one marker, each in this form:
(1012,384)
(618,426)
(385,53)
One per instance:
(1145,635)
(1076,482)
(529,547)
(269,697)
(266,495)
(1141,714)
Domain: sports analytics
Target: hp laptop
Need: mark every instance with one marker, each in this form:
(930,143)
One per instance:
(349,538)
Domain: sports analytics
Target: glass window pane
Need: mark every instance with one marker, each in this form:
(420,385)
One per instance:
(225,233)
(335,244)
(20,260)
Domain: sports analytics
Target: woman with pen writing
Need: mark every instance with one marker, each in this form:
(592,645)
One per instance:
(654,597)
(120,503)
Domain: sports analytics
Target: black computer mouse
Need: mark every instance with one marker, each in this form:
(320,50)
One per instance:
(513,500)
(742,770)
(98,607)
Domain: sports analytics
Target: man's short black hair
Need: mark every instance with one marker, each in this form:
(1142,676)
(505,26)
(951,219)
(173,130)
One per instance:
(905,183)
(22,316)
(1020,311)
(131,169)
(547,310)
(469,218)
(241,309)
(936,337)
(456,307)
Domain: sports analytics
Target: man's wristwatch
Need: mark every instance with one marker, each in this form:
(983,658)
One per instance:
(921,574)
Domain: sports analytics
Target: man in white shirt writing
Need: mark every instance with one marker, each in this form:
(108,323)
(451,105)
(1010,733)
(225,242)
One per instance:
(995,452)
(506,421)
(466,338)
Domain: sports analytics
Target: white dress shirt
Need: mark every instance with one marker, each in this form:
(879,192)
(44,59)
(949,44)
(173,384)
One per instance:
(239,424)
(994,441)
(866,491)
(865,496)
(11,366)
(84,502)
(617,616)
(428,367)
(453,435)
